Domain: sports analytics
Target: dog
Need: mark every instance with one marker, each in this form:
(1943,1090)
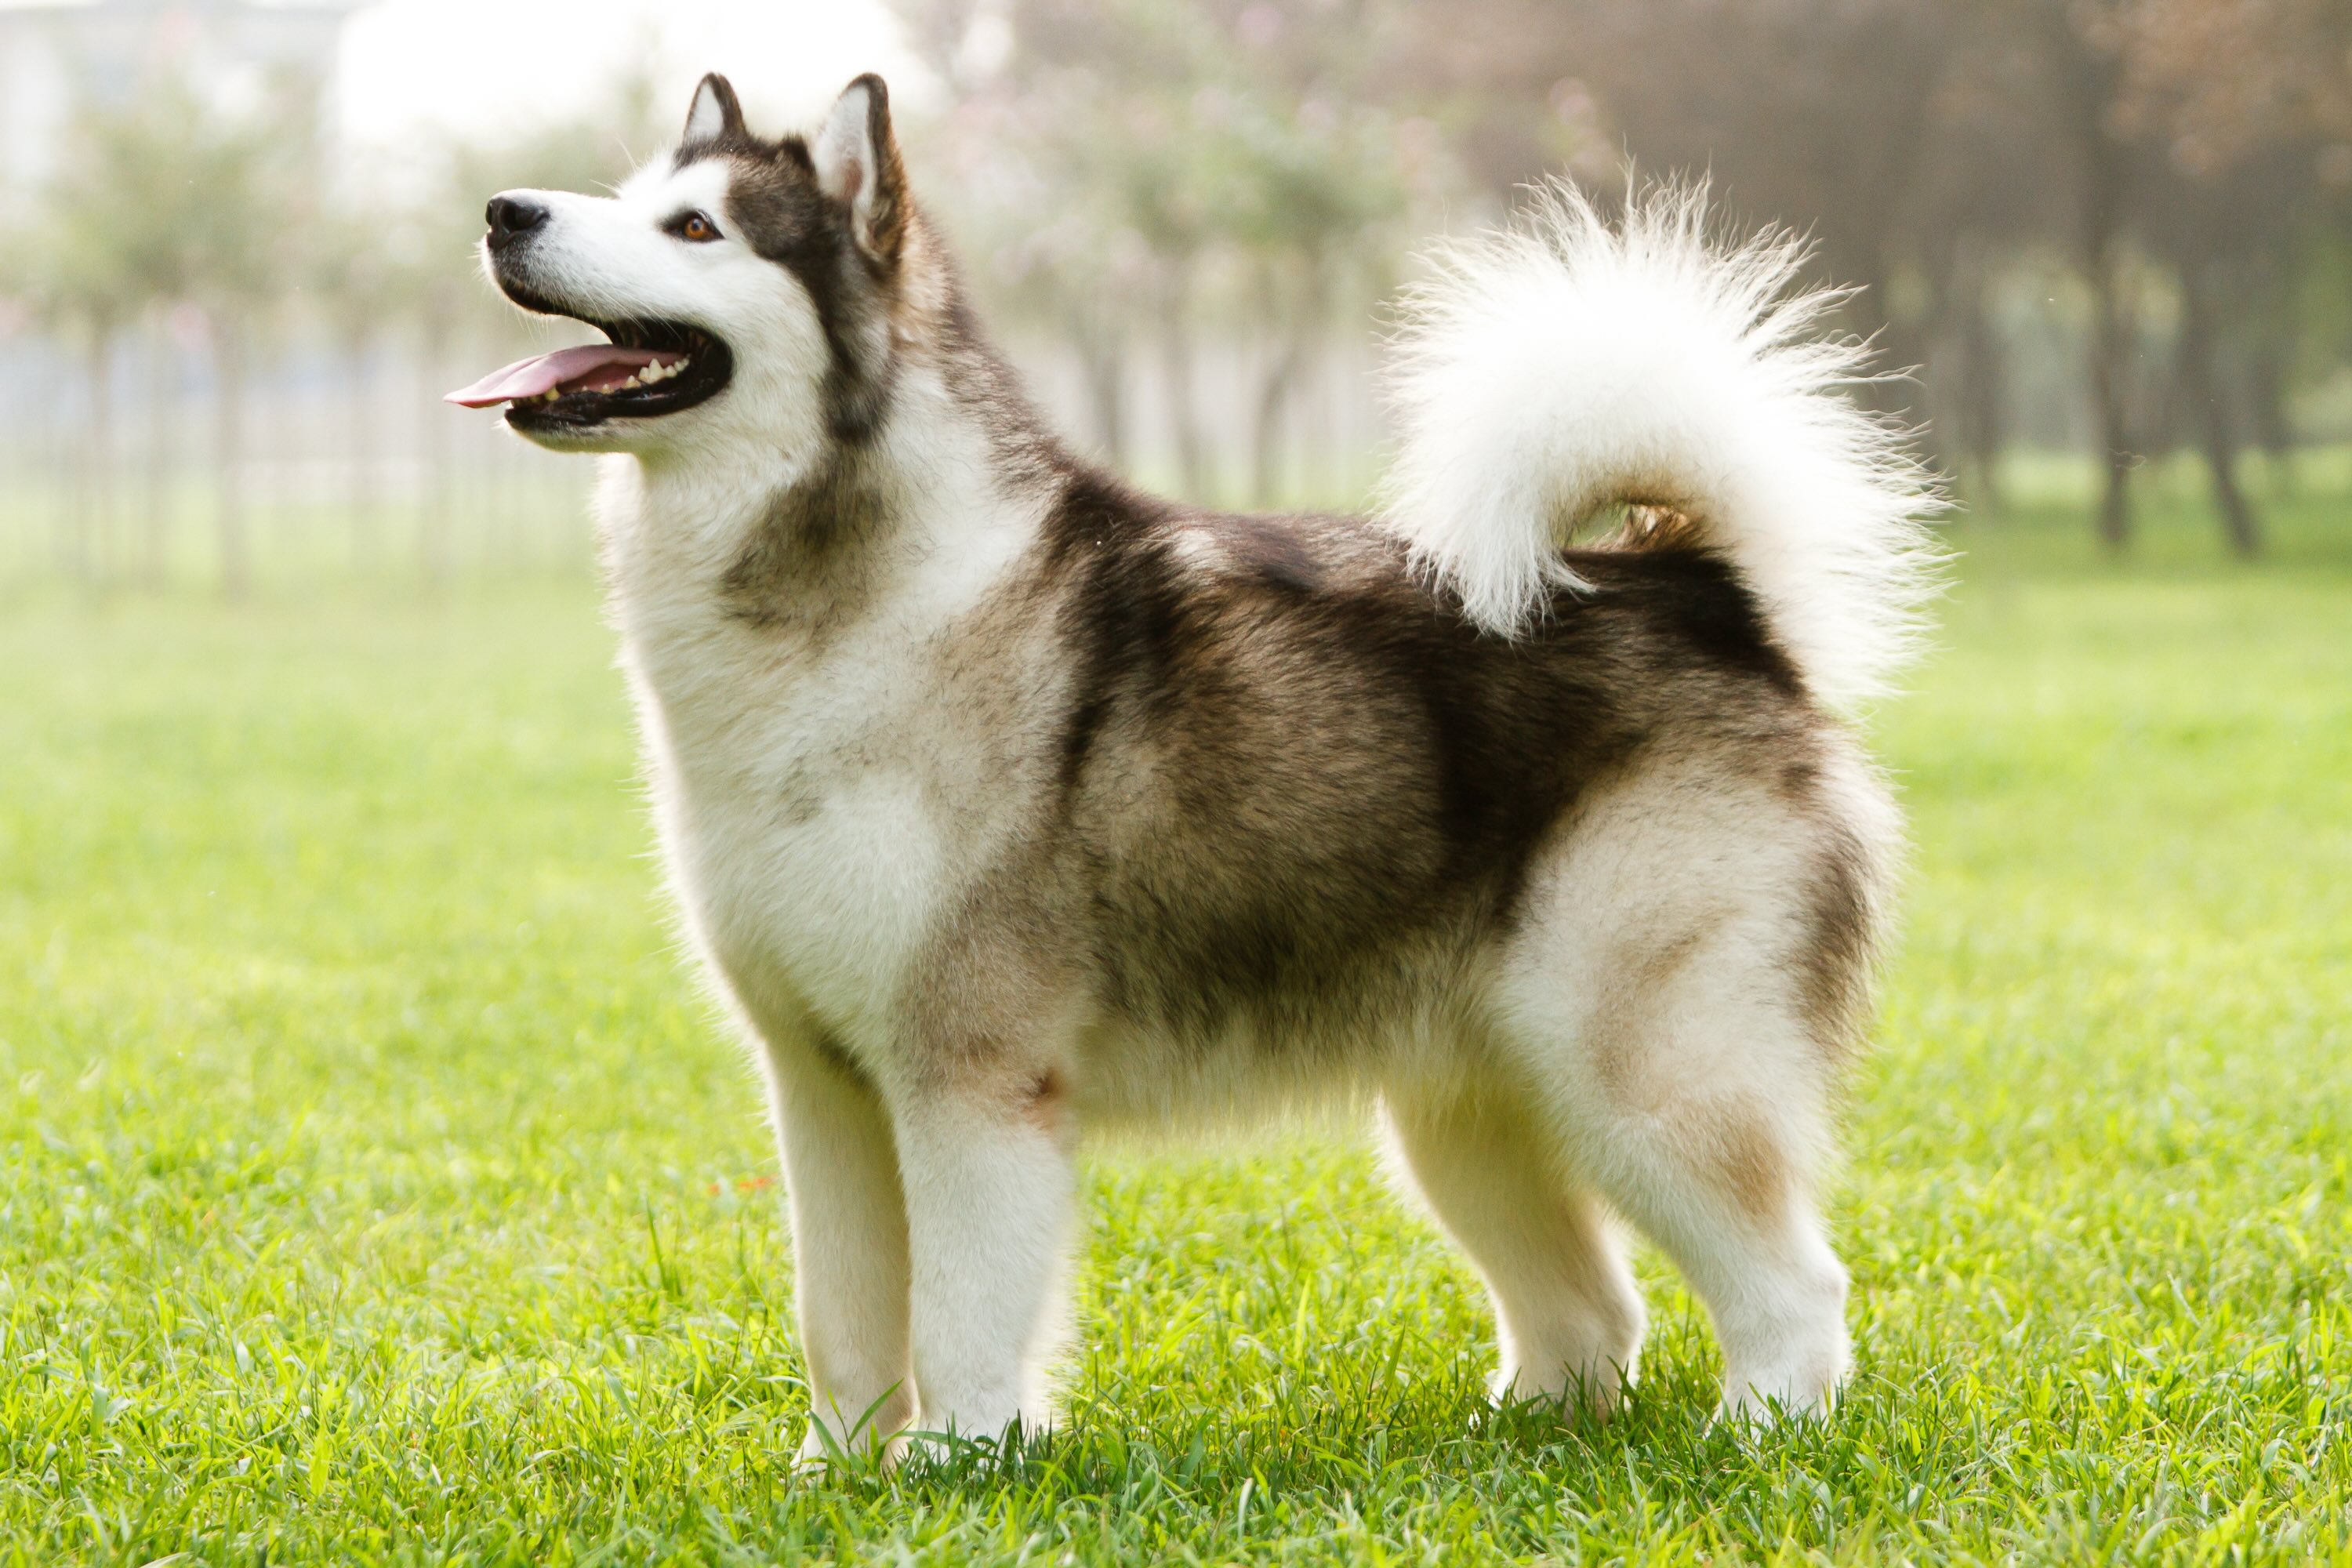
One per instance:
(1003,803)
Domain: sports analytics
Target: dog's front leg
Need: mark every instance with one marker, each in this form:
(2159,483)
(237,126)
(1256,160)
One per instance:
(988,1174)
(849,1249)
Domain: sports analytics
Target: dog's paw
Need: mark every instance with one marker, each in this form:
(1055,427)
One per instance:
(825,1455)
(1754,1411)
(1596,1394)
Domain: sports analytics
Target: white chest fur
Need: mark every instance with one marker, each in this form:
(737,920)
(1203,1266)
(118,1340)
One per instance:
(821,801)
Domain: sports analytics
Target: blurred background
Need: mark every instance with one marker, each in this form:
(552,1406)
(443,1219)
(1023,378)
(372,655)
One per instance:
(2114,237)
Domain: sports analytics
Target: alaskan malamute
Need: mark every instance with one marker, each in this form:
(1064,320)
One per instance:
(1004,803)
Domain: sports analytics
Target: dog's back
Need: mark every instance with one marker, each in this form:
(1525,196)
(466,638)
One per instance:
(1297,796)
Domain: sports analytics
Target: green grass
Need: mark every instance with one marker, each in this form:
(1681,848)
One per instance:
(374,1183)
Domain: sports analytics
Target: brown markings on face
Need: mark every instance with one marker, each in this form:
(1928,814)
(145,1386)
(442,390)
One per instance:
(776,206)
(815,561)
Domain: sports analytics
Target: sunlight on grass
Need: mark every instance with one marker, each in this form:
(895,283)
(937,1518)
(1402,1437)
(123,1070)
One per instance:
(374,1183)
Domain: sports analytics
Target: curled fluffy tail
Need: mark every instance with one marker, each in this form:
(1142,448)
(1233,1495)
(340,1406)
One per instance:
(1566,366)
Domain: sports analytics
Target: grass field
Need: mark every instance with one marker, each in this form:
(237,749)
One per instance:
(374,1185)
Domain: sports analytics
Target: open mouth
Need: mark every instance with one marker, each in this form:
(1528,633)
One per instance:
(648,369)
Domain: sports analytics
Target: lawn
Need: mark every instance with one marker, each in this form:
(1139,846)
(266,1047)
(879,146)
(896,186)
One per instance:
(374,1184)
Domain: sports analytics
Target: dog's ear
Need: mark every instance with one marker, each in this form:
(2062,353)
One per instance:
(857,165)
(715,113)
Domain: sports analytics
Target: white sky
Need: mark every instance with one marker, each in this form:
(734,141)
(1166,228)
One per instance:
(481,72)
(491,67)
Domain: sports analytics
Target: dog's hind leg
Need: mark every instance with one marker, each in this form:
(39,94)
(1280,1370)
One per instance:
(1687,978)
(1723,1187)
(1567,1316)
(1696,1103)
(849,1247)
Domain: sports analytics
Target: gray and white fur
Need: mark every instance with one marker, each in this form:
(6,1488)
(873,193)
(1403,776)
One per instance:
(1003,803)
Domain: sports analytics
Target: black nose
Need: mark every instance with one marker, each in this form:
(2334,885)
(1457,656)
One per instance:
(513,218)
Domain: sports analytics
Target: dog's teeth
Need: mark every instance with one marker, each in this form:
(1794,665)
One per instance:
(633,381)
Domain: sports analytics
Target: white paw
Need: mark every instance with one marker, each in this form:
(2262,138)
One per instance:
(836,1450)
(950,1438)
(1598,1392)
(1755,1408)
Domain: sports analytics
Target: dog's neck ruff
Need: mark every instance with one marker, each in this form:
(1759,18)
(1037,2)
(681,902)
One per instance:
(909,529)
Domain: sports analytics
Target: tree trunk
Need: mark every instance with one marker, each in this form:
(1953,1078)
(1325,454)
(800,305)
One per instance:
(2090,80)
(1104,359)
(229,451)
(2266,409)
(2111,347)
(162,402)
(1183,412)
(358,450)
(1176,375)
(1265,431)
(1983,387)
(2209,408)
(432,517)
(89,547)
(1897,354)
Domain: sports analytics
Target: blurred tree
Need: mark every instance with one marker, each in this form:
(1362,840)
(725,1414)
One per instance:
(361,287)
(2224,82)
(1929,145)
(2157,193)
(1305,199)
(1885,130)
(2079,46)
(1202,161)
(249,190)
(2247,105)
(164,198)
(70,269)
(1047,228)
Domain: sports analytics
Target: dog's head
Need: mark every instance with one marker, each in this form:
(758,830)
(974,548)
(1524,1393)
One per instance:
(748,286)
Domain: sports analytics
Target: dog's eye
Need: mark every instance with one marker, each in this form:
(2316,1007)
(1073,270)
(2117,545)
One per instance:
(694,226)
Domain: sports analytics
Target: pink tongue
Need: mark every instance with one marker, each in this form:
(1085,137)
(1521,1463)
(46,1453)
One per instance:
(545,373)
